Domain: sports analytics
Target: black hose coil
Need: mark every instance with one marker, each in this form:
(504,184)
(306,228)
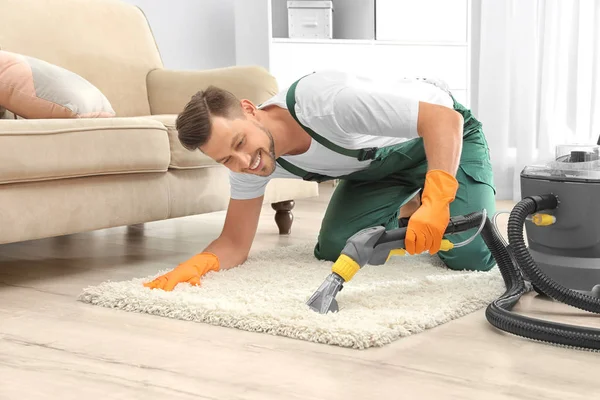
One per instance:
(499,313)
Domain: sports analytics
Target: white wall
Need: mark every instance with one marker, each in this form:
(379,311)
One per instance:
(192,34)
(252,32)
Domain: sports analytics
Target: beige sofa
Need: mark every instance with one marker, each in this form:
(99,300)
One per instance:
(62,176)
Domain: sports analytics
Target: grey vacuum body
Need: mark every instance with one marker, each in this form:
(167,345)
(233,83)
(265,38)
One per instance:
(568,250)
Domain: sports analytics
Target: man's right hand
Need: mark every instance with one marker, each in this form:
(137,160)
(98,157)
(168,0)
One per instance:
(189,271)
(232,246)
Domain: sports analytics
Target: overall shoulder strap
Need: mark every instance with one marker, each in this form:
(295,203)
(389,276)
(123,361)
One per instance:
(305,175)
(360,154)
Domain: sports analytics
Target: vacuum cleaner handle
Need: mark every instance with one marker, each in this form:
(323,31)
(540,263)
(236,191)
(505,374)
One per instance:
(372,246)
(459,223)
(392,242)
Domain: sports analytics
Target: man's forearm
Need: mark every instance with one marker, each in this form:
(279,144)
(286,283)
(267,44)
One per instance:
(443,151)
(230,255)
(441,129)
(442,137)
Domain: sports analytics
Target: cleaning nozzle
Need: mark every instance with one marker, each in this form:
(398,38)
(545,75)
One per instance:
(323,300)
(355,254)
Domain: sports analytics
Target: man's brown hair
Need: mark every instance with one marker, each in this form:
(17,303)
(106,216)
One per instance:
(194,123)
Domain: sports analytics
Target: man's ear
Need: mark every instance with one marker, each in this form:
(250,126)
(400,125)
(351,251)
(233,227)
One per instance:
(248,107)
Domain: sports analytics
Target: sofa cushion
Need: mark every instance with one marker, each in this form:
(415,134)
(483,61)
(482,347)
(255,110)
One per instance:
(34,150)
(181,158)
(34,88)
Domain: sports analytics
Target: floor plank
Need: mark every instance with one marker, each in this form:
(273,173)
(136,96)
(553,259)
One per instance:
(52,346)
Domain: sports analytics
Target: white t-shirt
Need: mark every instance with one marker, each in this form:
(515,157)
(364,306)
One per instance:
(352,112)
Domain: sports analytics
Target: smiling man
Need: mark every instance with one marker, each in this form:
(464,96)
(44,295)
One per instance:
(390,146)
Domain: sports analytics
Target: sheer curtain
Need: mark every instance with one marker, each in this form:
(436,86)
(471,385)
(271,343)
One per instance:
(537,71)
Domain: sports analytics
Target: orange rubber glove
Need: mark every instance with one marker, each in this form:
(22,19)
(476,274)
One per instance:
(427,225)
(189,271)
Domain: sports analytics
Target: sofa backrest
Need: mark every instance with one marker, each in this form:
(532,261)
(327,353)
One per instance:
(108,42)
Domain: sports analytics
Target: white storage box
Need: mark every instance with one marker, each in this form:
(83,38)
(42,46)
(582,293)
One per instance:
(310,19)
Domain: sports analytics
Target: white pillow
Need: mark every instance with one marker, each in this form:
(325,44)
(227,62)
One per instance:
(33,88)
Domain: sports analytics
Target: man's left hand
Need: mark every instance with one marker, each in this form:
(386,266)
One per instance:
(427,225)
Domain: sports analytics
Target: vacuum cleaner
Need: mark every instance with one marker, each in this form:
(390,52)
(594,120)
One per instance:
(559,209)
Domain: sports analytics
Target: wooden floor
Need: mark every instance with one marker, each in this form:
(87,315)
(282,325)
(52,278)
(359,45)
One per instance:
(53,347)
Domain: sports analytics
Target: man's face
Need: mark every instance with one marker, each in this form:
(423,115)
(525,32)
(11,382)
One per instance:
(242,145)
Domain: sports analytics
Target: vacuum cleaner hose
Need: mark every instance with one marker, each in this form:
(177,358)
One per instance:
(558,292)
(499,313)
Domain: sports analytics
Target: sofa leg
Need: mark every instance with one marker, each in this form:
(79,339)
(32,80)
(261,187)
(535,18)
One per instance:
(284,216)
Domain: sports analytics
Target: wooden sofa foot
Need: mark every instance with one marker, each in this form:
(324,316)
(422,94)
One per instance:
(284,216)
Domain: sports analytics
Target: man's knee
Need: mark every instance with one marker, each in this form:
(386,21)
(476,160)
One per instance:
(329,249)
(473,257)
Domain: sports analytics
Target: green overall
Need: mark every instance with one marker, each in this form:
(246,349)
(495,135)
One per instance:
(373,196)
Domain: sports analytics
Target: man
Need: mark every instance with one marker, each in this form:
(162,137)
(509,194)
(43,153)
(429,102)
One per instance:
(410,140)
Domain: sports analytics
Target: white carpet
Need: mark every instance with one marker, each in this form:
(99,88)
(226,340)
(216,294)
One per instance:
(268,293)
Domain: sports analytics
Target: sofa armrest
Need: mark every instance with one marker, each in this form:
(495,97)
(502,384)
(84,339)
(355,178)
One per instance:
(170,90)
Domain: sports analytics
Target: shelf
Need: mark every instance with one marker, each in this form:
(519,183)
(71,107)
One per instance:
(416,38)
(367,42)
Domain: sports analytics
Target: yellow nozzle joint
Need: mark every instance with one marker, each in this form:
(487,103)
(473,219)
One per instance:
(543,219)
(396,252)
(446,245)
(345,267)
